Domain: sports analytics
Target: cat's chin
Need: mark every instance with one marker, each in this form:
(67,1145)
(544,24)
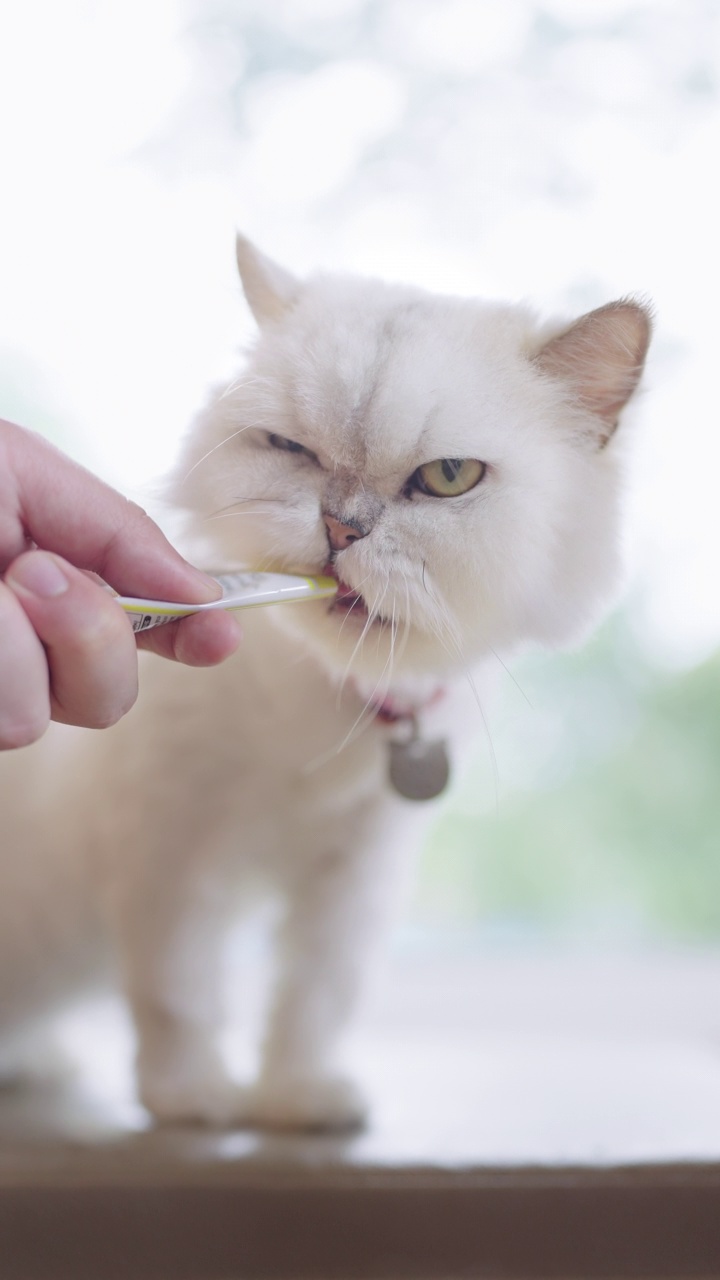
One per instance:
(345,643)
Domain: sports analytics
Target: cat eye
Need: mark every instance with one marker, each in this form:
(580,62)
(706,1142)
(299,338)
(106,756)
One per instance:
(289,446)
(448,477)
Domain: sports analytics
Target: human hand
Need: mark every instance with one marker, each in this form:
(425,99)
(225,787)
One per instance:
(67,651)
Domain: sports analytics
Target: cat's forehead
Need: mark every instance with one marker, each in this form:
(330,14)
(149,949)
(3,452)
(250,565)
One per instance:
(379,374)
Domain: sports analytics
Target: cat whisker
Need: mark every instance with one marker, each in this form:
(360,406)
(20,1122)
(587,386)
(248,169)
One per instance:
(405,620)
(372,615)
(440,616)
(509,673)
(241,382)
(346,672)
(391,648)
(361,723)
(229,515)
(357,591)
(393,630)
(266,498)
(367,714)
(240,431)
(447,635)
(230,510)
(402,635)
(390,630)
(458,648)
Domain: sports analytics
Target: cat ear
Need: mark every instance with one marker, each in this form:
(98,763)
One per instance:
(270,289)
(600,358)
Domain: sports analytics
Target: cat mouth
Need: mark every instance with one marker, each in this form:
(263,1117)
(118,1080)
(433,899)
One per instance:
(348,601)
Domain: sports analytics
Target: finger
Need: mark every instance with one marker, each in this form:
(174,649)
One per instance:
(202,640)
(24,678)
(88,640)
(60,506)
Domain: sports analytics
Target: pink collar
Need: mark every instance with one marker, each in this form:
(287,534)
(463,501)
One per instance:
(391,711)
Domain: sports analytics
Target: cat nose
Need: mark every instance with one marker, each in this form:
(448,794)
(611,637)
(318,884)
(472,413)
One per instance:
(342,533)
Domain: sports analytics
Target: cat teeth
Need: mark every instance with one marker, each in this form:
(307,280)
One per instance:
(346,595)
(348,600)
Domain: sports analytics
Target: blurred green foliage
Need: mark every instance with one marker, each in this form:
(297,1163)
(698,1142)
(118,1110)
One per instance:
(615,833)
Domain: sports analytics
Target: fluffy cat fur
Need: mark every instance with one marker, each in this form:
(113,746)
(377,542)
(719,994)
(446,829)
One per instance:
(268,776)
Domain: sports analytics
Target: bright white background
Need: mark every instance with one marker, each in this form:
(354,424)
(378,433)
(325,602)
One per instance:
(561,151)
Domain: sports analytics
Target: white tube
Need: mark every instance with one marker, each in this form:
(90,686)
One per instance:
(240,591)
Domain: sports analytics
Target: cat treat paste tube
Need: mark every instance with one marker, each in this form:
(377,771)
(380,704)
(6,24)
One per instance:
(240,591)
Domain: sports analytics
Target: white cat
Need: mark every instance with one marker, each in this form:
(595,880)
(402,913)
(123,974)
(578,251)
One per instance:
(453,463)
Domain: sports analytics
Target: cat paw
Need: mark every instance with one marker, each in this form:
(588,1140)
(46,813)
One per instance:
(321,1103)
(218,1101)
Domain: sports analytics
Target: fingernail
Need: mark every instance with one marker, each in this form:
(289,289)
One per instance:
(39,574)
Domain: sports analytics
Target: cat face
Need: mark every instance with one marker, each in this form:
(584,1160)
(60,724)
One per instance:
(448,460)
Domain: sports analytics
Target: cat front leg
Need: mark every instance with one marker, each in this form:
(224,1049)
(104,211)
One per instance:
(333,921)
(169,927)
